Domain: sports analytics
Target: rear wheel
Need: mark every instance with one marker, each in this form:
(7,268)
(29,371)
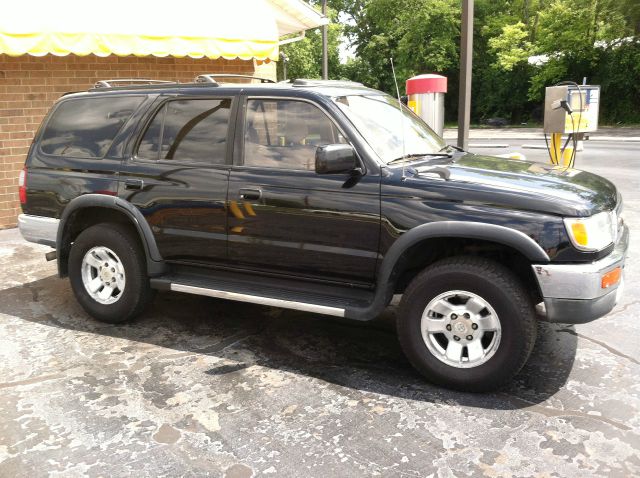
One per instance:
(467,323)
(108,274)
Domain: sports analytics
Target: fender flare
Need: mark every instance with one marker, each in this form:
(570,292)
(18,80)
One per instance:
(470,230)
(155,263)
(442,229)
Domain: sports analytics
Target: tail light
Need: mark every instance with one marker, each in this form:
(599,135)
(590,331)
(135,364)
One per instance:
(22,186)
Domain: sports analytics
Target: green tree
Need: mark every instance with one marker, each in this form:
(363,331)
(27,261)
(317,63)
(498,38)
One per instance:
(420,35)
(597,39)
(305,56)
(511,46)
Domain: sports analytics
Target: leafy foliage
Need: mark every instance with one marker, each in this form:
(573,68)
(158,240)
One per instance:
(596,39)
(511,47)
(305,56)
(574,39)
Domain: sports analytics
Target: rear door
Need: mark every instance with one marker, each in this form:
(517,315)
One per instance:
(178,177)
(283,217)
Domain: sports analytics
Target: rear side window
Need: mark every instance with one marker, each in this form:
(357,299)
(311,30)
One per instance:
(188,130)
(85,128)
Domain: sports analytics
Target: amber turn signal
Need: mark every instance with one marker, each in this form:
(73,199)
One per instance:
(580,233)
(611,278)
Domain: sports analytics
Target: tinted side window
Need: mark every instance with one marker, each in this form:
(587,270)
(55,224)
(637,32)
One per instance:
(188,130)
(286,133)
(85,128)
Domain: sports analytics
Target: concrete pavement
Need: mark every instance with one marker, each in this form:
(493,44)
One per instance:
(203,387)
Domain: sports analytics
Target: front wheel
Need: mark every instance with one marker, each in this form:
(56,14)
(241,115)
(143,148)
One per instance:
(467,323)
(108,274)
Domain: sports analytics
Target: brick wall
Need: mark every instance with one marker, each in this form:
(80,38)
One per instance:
(30,85)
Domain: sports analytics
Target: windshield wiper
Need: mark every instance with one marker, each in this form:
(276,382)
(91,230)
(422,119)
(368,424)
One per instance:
(407,156)
(420,155)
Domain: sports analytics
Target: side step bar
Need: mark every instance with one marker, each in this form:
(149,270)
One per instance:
(326,299)
(257,299)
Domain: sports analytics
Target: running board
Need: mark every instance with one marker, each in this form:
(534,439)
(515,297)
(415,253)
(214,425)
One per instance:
(256,299)
(287,294)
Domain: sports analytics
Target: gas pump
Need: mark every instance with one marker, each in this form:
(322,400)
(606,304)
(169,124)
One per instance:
(569,109)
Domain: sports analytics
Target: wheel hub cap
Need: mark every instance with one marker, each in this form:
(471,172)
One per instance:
(461,329)
(106,275)
(103,275)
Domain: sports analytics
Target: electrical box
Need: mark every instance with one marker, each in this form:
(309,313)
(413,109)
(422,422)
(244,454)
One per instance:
(582,102)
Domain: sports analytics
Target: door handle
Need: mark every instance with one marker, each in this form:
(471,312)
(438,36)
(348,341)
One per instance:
(250,194)
(134,184)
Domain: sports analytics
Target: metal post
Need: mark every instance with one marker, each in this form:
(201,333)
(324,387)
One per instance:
(556,148)
(325,47)
(285,60)
(466,54)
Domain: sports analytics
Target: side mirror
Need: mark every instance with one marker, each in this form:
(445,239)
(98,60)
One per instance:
(335,158)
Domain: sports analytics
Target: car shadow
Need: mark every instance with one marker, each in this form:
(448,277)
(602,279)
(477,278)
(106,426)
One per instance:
(361,356)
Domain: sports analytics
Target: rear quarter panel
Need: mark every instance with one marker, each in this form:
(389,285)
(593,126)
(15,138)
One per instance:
(53,181)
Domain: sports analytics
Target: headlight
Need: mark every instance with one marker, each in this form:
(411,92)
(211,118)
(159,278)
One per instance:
(592,233)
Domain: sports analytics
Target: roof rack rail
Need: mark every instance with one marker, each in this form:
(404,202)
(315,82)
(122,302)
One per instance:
(212,77)
(311,82)
(131,81)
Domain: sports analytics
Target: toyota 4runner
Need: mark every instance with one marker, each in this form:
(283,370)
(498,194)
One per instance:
(325,197)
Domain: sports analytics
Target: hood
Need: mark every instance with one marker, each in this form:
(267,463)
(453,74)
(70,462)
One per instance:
(540,187)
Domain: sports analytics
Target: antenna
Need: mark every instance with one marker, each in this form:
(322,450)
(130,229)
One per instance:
(404,151)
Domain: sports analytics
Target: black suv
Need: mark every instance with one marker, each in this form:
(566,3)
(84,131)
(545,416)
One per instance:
(324,197)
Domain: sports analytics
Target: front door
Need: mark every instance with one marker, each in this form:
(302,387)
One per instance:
(178,178)
(283,216)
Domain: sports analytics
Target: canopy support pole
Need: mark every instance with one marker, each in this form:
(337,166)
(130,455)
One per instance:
(466,60)
(325,45)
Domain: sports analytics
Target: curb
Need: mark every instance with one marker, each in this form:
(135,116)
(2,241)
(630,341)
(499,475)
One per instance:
(632,139)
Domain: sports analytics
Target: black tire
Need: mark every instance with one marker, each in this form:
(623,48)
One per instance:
(125,244)
(502,290)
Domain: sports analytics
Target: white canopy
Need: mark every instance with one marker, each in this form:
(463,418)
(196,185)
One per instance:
(229,29)
(295,16)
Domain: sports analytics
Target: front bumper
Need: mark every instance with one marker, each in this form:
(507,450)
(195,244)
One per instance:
(573,294)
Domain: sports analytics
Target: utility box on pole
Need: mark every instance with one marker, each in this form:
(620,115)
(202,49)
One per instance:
(571,109)
(426,99)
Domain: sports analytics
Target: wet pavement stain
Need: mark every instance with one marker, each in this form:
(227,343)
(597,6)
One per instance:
(166,434)
(238,471)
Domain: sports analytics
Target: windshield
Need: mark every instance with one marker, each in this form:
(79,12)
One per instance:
(378,119)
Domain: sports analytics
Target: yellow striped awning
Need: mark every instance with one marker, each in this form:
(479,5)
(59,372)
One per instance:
(228,29)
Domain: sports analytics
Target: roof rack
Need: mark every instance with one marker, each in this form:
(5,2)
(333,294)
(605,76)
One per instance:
(130,81)
(212,77)
(311,82)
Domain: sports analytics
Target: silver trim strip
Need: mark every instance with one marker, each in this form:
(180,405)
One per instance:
(580,281)
(39,229)
(256,299)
